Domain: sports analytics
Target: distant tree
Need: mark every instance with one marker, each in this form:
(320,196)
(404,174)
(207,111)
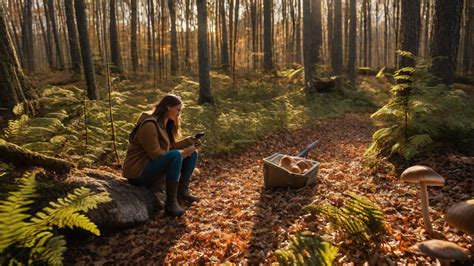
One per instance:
(205,95)
(89,72)
(445,38)
(336,49)
(57,40)
(133,35)
(174,39)
(468,50)
(14,84)
(72,36)
(187,55)
(224,43)
(267,35)
(114,40)
(352,41)
(27,37)
(312,37)
(409,30)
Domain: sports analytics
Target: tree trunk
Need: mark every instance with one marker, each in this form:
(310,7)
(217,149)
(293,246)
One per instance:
(385,33)
(205,95)
(231,29)
(174,40)
(133,35)
(47,46)
(426,47)
(410,30)
(72,37)
(14,84)
(52,17)
(336,50)
(330,25)
(298,35)
(27,37)
(253,15)
(352,42)
(467,54)
(114,43)
(445,38)
(81,19)
(224,43)
(311,38)
(267,38)
(187,63)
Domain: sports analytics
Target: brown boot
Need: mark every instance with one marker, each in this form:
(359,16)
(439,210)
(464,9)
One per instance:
(172,207)
(183,191)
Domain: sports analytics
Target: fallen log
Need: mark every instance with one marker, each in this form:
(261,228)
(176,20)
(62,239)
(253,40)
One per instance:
(130,205)
(21,157)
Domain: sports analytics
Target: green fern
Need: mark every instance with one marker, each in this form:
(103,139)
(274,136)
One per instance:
(28,238)
(420,117)
(360,219)
(307,250)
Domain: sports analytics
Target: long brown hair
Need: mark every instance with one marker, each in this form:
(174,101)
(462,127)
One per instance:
(172,126)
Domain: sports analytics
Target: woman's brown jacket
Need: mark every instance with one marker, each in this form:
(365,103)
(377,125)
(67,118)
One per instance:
(149,142)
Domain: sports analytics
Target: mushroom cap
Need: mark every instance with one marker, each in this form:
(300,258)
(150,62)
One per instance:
(302,165)
(295,169)
(461,216)
(286,161)
(422,174)
(444,250)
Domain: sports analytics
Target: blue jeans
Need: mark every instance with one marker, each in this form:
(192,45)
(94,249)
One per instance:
(170,164)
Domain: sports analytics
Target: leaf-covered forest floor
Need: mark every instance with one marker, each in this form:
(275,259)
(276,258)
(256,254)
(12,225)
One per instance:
(237,220)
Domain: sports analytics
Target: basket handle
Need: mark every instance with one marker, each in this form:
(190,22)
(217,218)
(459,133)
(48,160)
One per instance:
(308,148)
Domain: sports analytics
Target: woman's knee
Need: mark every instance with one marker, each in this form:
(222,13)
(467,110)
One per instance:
(174,154)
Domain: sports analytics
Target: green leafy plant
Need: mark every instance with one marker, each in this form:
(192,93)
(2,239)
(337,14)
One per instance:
(307,250)
(360,219)
(27,238)
(421,117)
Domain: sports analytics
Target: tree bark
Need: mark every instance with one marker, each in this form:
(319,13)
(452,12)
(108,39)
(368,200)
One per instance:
(224,43)
(298,35)
(205,95)
(311,39)
(114,43)
(89,72)
(445,39)
(410,30)
(15,86)
(57,42)
(267,38)
(72,37)
(174,40)
(27,37)
(467,49)
(133,35)
(187,63)
(253,15)
(336,50)
(21,157)
(352,42)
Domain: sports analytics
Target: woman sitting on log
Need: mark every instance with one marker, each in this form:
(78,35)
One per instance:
(154,151)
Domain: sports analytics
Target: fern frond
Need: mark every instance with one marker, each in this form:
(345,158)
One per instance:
(13,211)
(64,212)
(307,250)
(360,219)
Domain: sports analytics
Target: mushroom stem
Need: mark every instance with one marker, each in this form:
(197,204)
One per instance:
(424,208)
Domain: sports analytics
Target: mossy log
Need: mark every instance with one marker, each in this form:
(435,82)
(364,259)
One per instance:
(21,157)
(130,205)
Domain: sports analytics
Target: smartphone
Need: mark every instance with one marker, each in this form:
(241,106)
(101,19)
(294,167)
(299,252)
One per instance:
(199,135)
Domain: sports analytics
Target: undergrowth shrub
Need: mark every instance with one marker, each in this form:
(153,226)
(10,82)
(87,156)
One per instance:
(32,238)
(421,117)
(359,220)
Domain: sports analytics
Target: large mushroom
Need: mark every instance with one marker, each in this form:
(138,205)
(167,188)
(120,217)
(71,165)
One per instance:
(444,251)
(424,176)
(461,216)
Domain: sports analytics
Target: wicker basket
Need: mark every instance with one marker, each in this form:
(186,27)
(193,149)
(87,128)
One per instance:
(278,177)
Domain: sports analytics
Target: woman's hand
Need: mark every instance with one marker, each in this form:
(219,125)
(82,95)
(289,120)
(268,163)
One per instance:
(188,151)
